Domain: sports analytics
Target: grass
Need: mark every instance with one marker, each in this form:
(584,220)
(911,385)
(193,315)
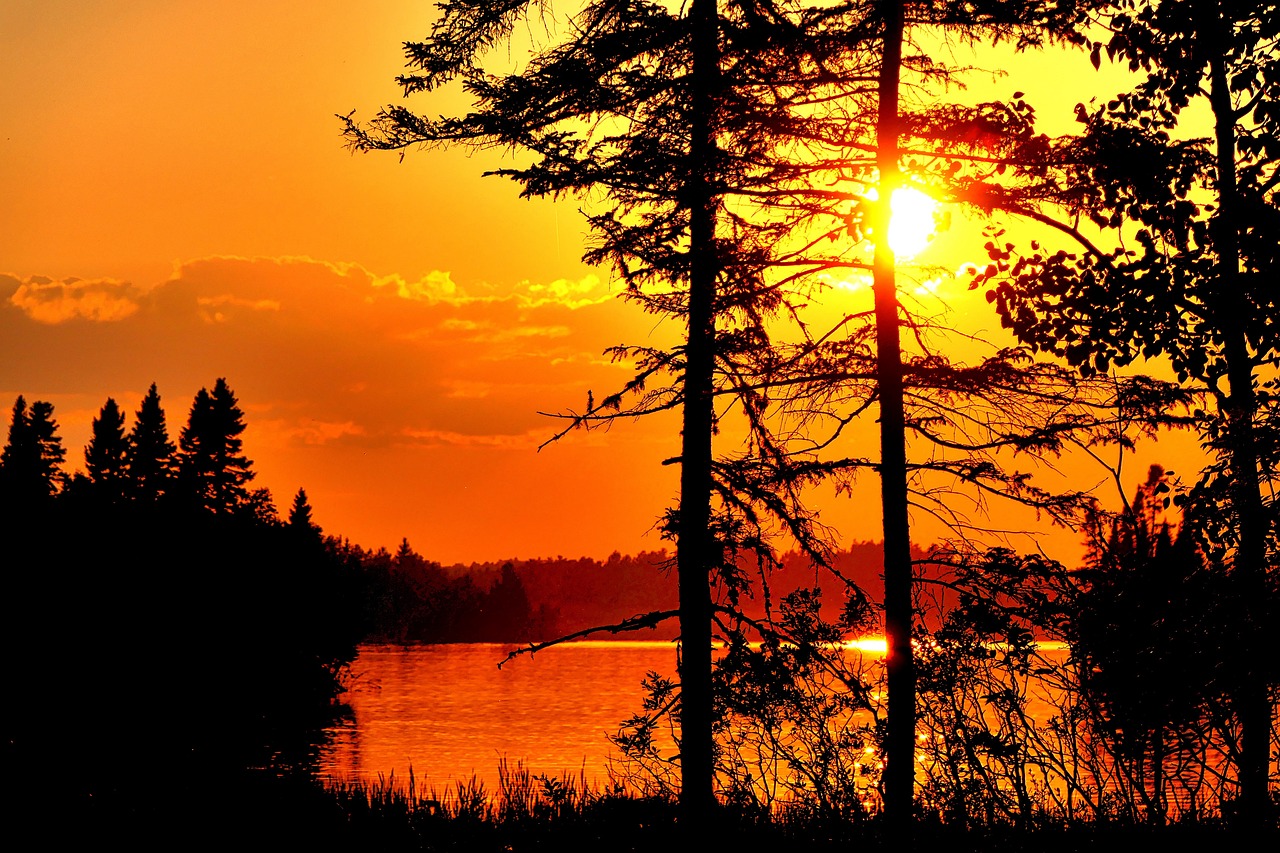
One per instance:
(527,812)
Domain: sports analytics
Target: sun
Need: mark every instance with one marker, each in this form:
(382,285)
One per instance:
(913,223)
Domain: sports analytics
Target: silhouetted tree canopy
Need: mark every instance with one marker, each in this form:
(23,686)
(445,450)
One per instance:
(149,456)
(300,514)
(1176,235)
(105,454)
(212,470)
(31,462)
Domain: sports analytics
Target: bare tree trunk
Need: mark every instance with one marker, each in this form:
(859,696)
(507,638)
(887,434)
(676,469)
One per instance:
(1252,701)
(899,778)
(695,549)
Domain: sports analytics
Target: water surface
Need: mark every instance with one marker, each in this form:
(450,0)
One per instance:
(448,712)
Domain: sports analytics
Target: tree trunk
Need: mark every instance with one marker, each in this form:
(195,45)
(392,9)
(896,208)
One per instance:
(899,778)
(695,549)
(1231,307)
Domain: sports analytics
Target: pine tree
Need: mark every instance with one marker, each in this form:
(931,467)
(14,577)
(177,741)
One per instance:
(212,470)
(507,614)
(300,514)
(51,453)
(149,454)
(667,112)
(105,454)
(18,468)
(31,462)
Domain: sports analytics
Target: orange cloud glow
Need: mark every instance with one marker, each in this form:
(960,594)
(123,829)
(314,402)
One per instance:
(48,301)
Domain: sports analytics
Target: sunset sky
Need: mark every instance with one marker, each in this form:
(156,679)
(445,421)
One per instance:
(178,206)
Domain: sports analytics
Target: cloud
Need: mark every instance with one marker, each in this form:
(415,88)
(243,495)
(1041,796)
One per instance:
(441,438)
(576,294)
(331,352)
(101,300)
(314,433)
(435,286)
(214,305)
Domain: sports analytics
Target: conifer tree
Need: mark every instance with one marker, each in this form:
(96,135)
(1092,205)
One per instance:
(212,469)
(105,454)
(51,453)
(666,111)
(31,462)
(300,514)
(149,454)
(18,469)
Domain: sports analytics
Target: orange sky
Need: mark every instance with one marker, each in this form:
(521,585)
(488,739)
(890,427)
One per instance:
(178,206)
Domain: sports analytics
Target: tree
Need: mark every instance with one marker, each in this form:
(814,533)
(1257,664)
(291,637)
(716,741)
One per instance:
(105,454)
(1181,268)
(211,467)
(50,452)
(641,103)
(1147,628)
(31,462)
(300,515)
(900,739)
(907,390)
(149,454)
(507,615)
(724,142)
(278,610)
(19,460)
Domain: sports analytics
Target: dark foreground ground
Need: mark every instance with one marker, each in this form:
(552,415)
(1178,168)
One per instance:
(271,814)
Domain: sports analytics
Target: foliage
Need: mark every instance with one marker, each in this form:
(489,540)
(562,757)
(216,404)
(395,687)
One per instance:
(676,119)
(300,514)
(1153,636)
(727,154)
(149,456)
(104,456)
(1095,693)
(1177,265)
(30,464)
(408,599)
(212,470)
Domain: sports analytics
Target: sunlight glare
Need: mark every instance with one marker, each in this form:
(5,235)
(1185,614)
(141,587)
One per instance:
(913,222)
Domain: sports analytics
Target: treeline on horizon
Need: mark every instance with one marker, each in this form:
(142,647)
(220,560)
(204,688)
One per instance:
(411,599)
(140,480)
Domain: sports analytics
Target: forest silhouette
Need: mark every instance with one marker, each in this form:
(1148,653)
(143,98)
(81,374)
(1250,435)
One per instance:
(239,649)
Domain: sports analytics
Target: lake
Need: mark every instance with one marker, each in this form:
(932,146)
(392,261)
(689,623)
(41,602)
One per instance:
(450,713)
